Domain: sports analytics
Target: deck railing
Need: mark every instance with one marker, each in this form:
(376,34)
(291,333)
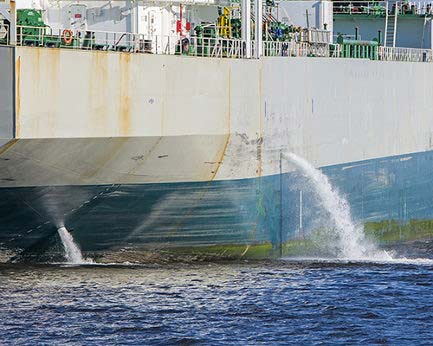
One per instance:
(4,34)
(295,49)
(358,7)
(130,42)
(201,46)
(211,47)
(378,8)
(292,49)
(404,54)
(80,39)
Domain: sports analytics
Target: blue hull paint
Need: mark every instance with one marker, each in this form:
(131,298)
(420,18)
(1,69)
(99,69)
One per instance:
(205,213)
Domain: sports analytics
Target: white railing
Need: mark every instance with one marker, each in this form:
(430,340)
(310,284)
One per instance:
(80,39)
(130,42)
(295,49)
(212,47)
(360,7)
(379,7)
(4,34)
(404,54)
(197,46)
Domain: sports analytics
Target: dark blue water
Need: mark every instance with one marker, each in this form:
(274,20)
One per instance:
(209,304)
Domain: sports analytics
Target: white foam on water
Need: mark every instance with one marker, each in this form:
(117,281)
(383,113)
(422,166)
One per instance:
(400,260)
(73,253)
(417,261)
(349,241)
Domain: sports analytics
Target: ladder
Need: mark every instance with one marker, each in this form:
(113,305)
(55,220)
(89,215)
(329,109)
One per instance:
(391,15)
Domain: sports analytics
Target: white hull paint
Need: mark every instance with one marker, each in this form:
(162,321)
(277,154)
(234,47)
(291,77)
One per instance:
(104,117)
(146,151)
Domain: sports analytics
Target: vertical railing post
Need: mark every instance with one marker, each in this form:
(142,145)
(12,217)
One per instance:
(258,27)
(246,26)
(13,23)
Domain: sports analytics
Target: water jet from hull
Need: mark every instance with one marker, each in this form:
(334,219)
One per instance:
(350,240)
(73,253)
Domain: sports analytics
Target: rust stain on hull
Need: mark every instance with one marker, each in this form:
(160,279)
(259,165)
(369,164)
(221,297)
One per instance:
(125,98)
(17,96)
(97,97)
(8,145)
(220,157)
(55,61)
(227,139)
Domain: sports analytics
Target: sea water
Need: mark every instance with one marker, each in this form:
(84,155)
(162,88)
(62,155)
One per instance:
(244,303)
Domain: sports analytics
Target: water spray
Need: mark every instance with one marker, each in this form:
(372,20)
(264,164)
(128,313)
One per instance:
(350,239)
(73,253)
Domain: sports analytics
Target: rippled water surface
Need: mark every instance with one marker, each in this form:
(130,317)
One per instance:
(279,302)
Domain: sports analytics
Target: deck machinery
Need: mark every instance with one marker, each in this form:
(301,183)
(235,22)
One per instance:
(229,24)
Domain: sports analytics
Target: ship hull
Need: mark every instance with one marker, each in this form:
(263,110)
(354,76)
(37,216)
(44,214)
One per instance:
(156,152)
(244,212)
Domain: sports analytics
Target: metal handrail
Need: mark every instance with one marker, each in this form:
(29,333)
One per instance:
(294,49)
(214,47)
(81,39)
(131,42)
(6,38)
(37,39)
(359,7)
(405,54)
